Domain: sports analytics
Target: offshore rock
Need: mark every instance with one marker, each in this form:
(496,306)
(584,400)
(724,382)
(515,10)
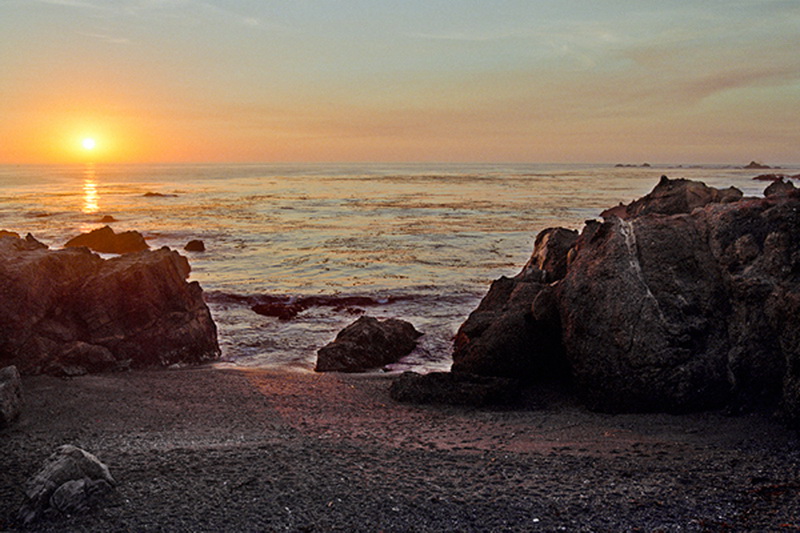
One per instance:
(368,343)
(70,312)
(454,389)
(104,240)
(10,395)
(71,480)
(195,245)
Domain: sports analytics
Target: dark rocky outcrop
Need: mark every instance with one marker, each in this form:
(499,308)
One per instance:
(781,188)
(368,343)
(503,337)
(107,219)
(104,240)
(195,245)
(454,389)
(71,312)
(671,197)
(71,481)
(10,395)
(686,299)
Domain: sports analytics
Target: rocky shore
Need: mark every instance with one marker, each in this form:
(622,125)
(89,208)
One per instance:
(684,301)
(227,450)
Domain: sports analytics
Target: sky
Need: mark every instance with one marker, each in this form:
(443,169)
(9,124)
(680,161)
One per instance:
(675,81)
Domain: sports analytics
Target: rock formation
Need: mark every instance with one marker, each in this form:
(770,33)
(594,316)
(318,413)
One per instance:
(71,312)
(686,299)
(453,388)
(104,240)
(195,245)
(70,481)
(10,395)
(367,343)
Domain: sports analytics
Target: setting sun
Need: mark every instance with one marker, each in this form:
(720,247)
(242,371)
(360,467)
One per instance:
(88,143)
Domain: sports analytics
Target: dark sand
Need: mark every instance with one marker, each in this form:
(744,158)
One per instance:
(227,450)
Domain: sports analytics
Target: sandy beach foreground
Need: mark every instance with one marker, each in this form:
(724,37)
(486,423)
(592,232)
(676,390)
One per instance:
(211,449)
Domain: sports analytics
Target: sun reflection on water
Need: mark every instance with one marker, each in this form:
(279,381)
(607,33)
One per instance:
(91,199)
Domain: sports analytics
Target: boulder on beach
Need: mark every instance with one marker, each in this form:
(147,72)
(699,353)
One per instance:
(71,481)
(454,389)
(70,311)
(781,188)
(10,395)
(368,343)
(689,301)
(104,240)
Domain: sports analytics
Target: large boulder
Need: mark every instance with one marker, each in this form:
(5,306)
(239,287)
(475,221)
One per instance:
(367,343)
(104,240)
(71,481)
(70,311)
(10,395)
(685,299)
(504,336)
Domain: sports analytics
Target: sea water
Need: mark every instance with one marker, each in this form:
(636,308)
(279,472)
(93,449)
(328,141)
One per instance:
(421,242)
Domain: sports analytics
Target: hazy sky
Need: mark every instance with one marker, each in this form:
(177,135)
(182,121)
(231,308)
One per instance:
(401,80)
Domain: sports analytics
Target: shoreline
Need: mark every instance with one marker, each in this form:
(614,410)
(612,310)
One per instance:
(210,449)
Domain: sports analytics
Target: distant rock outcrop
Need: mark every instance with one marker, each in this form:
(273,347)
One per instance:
(368,343)
(104,240)
(71,312)
(686,299)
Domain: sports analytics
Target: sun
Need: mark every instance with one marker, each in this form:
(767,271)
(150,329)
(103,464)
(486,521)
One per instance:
(88,143)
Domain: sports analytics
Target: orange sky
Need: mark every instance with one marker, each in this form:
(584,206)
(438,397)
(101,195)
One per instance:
(311,80)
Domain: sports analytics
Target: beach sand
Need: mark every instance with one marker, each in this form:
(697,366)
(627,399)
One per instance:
(213,449)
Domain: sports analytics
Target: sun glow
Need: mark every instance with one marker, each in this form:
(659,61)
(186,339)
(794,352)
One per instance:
(88,143)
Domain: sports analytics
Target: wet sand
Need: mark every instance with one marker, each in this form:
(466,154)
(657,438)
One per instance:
(211,449)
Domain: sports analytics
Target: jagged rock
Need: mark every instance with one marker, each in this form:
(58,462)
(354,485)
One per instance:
(685,301)
(757,166)
(502,337)
(10,395)
(454,389)
(104,240)
(195,245)
(367,343)
(684,312)
(780,188)
(6,233)
(671,197)
(65,311)
(70,480)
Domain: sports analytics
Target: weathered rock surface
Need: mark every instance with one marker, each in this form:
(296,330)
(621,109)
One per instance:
(71,480)
(683,300)
(104,240)
(502,337)
(781,188)
(671,197)
(71,312)
(367,343)
(10,395)
(454,389)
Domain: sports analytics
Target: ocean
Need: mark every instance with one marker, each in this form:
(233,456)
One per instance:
(421,242)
